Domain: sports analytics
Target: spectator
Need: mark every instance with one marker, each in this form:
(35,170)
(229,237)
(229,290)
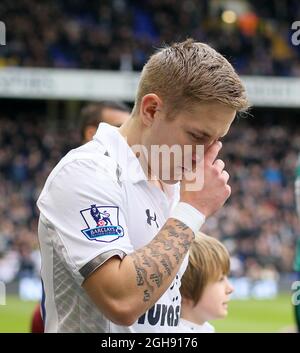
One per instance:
(113,113)
(121,34)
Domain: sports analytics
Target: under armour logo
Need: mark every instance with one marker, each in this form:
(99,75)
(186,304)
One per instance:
(150,218)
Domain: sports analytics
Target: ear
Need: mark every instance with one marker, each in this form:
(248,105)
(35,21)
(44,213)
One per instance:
(89,133)
(150,104)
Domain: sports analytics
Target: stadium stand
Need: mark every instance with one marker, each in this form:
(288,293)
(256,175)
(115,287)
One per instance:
(121,34)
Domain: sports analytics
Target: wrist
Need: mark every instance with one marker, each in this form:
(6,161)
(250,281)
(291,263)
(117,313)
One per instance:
(188,215)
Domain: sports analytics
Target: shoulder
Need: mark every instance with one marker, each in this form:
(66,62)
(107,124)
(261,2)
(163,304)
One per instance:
(184,326)
(89,160)
(83,170)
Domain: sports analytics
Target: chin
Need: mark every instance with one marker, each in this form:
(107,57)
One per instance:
(223,313)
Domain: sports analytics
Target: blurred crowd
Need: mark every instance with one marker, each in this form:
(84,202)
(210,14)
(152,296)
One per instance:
(121,34)
(28,152)
(258,224)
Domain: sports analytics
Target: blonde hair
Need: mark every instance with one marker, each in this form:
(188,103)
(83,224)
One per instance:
(191,72)
(208,260)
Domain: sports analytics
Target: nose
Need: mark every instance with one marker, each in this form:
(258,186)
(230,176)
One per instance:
(209,143)
(213,141)
(229,287)
(198,157)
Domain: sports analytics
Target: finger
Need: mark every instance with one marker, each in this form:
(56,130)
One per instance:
(225,176)
(212,152)
(228,189)
(219,164)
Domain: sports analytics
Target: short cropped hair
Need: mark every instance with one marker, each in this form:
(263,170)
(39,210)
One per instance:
(208,260)
(91,114)
(191,72)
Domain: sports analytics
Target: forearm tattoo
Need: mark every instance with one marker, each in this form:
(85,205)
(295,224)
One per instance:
(157,261)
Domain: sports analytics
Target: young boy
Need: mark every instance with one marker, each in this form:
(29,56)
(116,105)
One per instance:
(205,288)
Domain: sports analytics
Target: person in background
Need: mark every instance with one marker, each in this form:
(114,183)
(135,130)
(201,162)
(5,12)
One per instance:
(110,112)
(205,288)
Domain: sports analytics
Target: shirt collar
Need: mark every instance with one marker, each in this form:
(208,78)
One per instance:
(117,147)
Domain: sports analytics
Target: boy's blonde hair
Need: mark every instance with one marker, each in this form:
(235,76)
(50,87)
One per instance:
(191,72)
(208,260)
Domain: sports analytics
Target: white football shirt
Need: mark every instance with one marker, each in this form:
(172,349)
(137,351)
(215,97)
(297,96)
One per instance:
(95,204)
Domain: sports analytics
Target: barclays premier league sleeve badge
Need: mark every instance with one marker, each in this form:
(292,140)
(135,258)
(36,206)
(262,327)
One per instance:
(102,223)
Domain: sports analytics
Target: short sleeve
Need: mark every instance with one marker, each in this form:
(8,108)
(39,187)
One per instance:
(83,207)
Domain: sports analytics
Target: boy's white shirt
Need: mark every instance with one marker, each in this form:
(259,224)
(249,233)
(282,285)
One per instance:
(186,326)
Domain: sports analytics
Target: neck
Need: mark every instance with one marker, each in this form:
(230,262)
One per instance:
(189,313)
(132,131)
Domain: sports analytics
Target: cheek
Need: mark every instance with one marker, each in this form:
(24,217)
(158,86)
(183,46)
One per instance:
(216,293)
(156,137)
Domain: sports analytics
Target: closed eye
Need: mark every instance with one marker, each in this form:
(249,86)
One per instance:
(197,138)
